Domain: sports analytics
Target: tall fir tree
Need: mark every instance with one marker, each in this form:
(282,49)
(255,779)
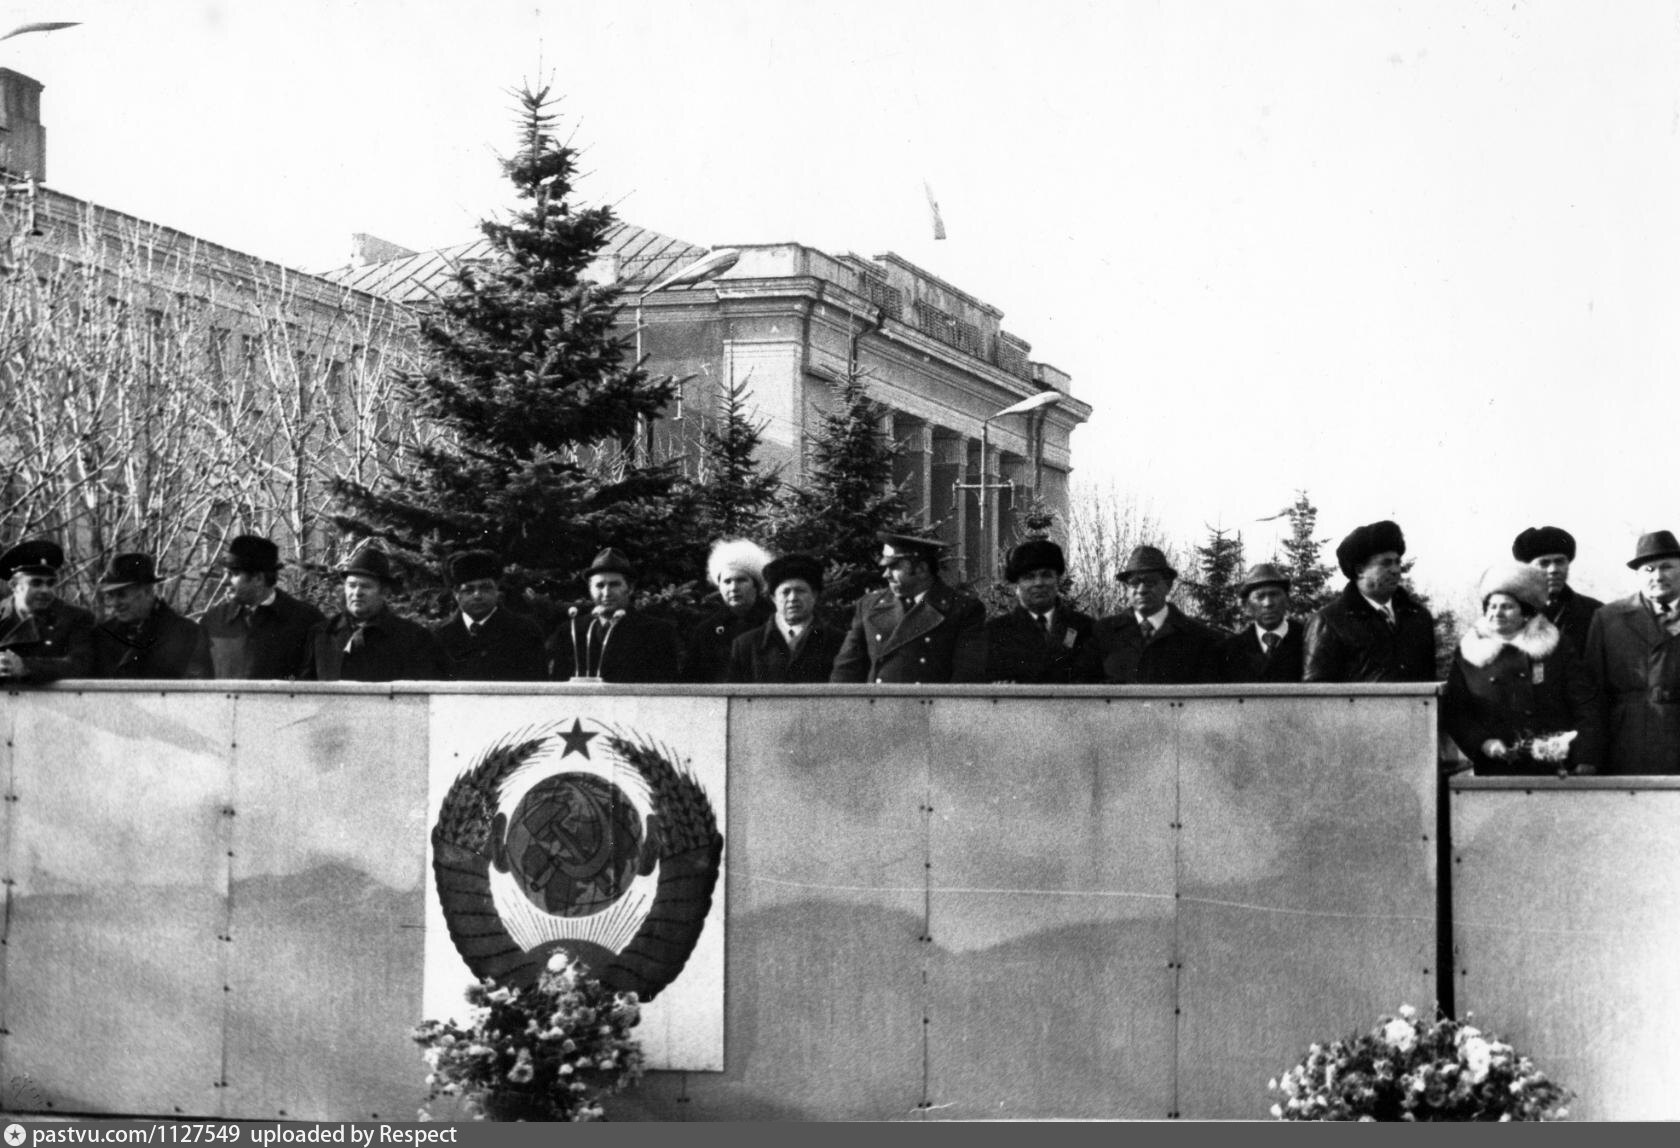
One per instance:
(846,497)
(531,390)
(1310,579)
(1213,596)
(734,495)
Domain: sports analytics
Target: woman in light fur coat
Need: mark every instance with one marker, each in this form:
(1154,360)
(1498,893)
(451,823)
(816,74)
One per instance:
(1513,682)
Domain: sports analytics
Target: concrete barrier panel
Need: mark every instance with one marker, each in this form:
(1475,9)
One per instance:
(1307,881)
(117,870)
(1052,883)
(327,911)
(826,873)
(1565,902)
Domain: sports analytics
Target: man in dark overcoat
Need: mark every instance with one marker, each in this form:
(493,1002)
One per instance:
(611,641)
(1271,647)
(42,638)
(793,646)
(485,641)
(144,637)
(917,631)
(1042,639)
(1153,642)
(1552,550)
(368,641)
(260,631)
(1375,631)
(1633,650)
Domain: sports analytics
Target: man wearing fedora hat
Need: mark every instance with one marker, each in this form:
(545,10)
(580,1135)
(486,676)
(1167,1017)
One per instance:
(1374,631)
(917,631)
(609,641)
(1552,549)
(144,637)
(260,631)
(1042,639)
(1270,648)
(485,641)
(793,645)
(42,639)
(1153,642)
(368,641)
(1633,650)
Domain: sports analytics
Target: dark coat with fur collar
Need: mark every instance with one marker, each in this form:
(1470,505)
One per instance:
(1528,686)
(1349,641)
(1636,664)
(942,639)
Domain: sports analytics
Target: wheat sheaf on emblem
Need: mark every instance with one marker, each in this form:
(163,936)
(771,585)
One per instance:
(587,838)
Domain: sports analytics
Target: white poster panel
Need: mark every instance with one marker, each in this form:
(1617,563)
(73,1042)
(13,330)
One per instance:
(589,822)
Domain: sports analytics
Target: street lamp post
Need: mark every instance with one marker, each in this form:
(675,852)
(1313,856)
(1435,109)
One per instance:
(708,266)
(1036,402)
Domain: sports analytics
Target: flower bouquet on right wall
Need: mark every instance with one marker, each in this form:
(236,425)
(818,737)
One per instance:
(1405,1069)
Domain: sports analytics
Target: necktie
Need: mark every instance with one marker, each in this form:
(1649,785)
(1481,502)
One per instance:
(1147,629)
(1388,616)
(474,629)
(1270,641)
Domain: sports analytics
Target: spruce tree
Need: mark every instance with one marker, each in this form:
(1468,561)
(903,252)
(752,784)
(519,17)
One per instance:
(1214,597)
(1310,579)
(537,408)
(846,496)
(734,496)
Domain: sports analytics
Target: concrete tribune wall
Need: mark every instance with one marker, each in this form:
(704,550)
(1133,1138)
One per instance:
(965,903)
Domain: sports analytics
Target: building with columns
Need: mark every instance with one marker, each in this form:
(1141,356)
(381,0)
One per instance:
(788,322)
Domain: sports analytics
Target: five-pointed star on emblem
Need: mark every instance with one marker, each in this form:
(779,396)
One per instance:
(576,741)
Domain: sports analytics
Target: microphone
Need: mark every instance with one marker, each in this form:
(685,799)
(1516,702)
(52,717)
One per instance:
(612,627)
(571,628)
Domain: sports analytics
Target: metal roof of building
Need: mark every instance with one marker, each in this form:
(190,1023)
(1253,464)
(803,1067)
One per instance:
(641,255)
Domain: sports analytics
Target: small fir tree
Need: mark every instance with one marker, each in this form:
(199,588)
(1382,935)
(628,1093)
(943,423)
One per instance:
(846,497)
(734,496)
(1310,579)
(539,408)
(1214,597)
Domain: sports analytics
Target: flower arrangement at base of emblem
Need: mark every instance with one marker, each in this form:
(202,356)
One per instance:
(550,1051)
(1405,1069)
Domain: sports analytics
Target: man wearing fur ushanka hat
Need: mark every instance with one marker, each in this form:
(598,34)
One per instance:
(1375,631)
(1518,699)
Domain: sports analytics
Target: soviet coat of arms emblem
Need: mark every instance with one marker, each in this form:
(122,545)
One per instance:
(585,838)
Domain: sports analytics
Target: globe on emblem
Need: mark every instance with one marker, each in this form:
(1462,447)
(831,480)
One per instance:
(573,844)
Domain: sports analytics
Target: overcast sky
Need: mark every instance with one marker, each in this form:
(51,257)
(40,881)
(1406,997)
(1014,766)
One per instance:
(1419,259)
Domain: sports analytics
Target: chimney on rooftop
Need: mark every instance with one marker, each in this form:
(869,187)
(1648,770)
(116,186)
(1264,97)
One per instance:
(23,141)
(365,249)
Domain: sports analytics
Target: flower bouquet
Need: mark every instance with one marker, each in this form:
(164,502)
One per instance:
(1407,1070)
(549,1051)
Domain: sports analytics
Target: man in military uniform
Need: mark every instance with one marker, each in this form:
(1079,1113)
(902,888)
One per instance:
(1552,549)
(41,638)
(1271,647)
(1375,631)
(1043,639)
(794,645)
(611,642)
(485,641)
(144,637)
(1154,642)
(918,631)
(261,631)
(368,641)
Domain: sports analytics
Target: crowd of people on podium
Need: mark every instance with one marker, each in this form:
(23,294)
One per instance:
(1545,679)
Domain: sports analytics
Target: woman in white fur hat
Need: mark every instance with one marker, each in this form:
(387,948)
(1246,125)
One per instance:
(736,569)
(1516,693)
